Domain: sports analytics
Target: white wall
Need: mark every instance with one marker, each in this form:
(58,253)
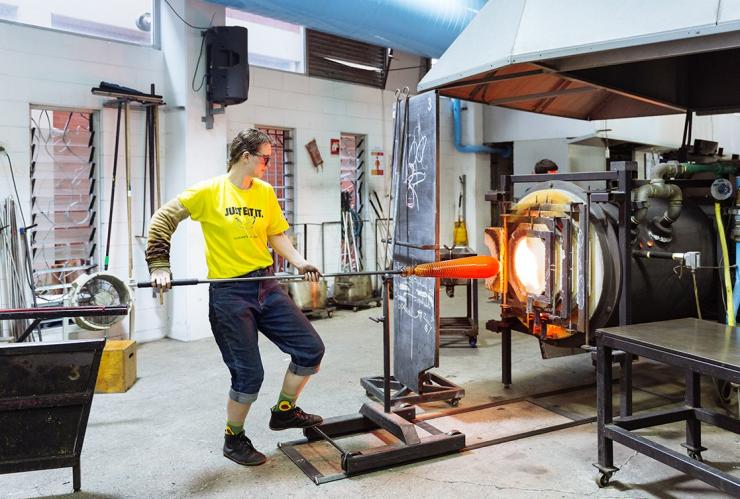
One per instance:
(59,69)
(44,67)
(475,166)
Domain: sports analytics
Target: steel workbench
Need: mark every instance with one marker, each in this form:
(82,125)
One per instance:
(695,346)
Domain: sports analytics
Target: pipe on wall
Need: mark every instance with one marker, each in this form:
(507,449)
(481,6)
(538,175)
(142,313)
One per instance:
(478,148)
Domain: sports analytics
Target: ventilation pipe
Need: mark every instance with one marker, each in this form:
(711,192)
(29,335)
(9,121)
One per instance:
(457,130)
(422,27)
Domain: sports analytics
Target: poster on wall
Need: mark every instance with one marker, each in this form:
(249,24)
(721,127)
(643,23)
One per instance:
(334,147)
(377,157)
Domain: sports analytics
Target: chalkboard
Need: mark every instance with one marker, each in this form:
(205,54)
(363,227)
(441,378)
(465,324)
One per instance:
(416,240)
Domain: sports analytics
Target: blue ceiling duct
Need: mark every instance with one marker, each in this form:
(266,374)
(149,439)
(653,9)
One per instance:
(423,27)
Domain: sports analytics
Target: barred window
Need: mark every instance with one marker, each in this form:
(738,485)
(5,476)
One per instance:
(279,174)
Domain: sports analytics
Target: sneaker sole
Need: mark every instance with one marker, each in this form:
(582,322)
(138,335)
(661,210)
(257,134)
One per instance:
(294,427)
(246,464)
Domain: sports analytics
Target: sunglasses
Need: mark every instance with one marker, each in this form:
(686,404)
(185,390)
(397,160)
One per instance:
(265,157)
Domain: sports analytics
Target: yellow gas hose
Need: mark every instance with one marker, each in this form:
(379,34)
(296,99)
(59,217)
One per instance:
(725,265)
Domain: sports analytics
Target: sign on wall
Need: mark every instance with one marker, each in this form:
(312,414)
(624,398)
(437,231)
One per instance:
(377,157)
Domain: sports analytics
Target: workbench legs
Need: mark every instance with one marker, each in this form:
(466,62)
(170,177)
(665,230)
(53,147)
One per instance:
(622,429)
(693,426)
(604,412)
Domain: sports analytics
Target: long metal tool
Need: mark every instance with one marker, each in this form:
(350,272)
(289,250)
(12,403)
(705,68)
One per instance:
(286,277)
(129,216)
(474,267)
(106,259)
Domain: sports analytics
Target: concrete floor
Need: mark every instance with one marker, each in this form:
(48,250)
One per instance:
(163,437)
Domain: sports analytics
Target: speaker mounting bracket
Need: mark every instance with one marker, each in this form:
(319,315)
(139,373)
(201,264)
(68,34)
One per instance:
(211,110)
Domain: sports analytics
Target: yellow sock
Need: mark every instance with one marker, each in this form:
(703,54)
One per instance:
(233,428)
(285,402)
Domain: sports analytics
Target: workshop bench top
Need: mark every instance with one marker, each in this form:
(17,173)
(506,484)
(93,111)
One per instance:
(703,340)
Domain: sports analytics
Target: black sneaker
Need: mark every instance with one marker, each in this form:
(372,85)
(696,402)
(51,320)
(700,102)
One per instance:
(294,418)
(239,449)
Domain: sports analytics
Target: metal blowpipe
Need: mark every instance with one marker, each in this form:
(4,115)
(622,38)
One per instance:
(472,267)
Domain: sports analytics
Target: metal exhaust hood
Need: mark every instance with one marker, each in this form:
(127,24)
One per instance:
(597,59)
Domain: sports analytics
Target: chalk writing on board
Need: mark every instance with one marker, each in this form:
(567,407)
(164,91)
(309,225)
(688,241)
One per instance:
(416,167)
(416,300)
(416,194)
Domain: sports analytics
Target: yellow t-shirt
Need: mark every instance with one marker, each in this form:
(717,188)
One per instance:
(236,223)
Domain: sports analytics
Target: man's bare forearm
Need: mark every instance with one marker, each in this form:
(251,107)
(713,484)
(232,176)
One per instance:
(162,226)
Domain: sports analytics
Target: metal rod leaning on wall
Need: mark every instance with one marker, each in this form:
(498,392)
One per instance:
(147,124)
(158,195)
(305,241)
(106,259)
(152,149)
(323,224)
(305,236)
(129,221)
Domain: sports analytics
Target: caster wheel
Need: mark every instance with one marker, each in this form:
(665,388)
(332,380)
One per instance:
(473,341)
(330,314)
(454,402)
(696,456)
(604,479)
(354,309)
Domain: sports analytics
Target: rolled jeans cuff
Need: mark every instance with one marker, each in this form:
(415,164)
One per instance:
(302,371)
(242,398)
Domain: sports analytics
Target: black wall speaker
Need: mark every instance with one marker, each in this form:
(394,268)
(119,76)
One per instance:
(227,64)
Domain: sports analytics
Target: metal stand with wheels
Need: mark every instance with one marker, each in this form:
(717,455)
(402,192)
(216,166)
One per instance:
(453,329)
(434,388)
(373,416)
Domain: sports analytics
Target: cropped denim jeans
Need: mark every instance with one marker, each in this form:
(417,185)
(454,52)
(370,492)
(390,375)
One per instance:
(238,310)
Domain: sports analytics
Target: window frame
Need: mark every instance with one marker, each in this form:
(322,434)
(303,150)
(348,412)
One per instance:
(288,167)
(98,190)
(304,52)
(156,30)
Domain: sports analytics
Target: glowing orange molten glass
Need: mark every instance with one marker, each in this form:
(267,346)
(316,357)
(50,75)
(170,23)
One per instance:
(471,267)
(529,264)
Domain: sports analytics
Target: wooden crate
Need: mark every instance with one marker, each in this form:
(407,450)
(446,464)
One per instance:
(117,367)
